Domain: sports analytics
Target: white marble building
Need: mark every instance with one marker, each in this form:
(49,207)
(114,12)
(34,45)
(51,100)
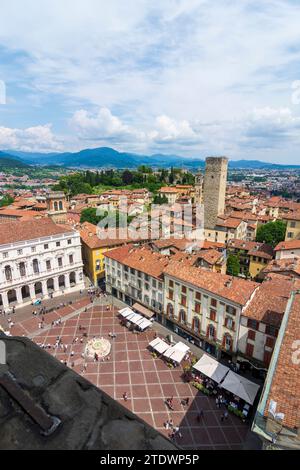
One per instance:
(38,259)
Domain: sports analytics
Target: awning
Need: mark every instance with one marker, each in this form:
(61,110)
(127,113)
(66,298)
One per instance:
(160,346)
(177,352)
(154,342)
(181,347)
(144,324)
(211,368)
(125,312)
(143,310)
(241,387)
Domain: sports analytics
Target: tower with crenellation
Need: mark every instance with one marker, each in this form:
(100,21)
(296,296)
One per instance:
(214,189)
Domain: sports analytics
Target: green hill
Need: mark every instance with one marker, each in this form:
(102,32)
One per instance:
(7,161)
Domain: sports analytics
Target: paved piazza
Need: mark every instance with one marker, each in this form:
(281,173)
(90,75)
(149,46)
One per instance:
(129,367)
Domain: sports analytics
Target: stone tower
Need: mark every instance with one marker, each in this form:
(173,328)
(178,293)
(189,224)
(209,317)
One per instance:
(214,189)
(57,207)
(198,188)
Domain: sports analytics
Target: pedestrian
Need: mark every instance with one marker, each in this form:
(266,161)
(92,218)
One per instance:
(200,415)
(125,396)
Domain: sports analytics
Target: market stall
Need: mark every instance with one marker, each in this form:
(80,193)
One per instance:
(240,387)
(211,368)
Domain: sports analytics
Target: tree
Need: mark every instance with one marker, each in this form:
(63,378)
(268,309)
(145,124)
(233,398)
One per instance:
(89,215)
(127,177)
(159,199)
(233,265)
(6,200)
(271,233)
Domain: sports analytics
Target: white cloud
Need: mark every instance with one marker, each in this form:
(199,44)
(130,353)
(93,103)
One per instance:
(182,75)
(169,131)
(103,126)
(38,139)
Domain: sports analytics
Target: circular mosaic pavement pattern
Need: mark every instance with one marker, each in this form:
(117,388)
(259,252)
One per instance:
(99,346)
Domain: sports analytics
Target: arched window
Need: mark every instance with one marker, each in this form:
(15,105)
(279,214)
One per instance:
(22,269)
(35,265)
(227,342)
(170,310)
(196,324)
(211,332)
(55,206)
(60,205)
(8,273)
(182,316)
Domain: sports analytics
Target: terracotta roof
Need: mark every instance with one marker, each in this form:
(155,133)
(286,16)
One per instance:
(288,245)
(292,216)
(140,258)
(232,288)
(285,382)
(89,236)
(11,232)
(269,303)
(264,251)
(243,244)
(20,213)
(285,265)
(229,223)
(168,189)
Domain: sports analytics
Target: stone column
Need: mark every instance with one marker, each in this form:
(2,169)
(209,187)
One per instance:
(56,284)
(44,288)
(67,281)
(5,303)
(32,291)
(19,295)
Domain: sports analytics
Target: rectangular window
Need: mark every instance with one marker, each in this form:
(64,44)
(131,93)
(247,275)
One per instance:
(267,357)
(170,294)
(69,241)
(5,255)
(20,252)
(171,283)
(57,243)
(46,247)
(213,302)
(270,342)
(198,296)
(271,330)
(212,314)
(230,309)
(48,265)
(197,307)
(183,300)
(251,335)
(249,350)
(253,324)
(59,260)
(71,259)
(183,289)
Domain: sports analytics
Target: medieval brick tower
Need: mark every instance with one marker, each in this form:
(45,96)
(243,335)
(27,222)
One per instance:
(198,189)
(57,207)
(214,189)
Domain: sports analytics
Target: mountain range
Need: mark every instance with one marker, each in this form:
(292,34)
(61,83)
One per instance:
(106,157)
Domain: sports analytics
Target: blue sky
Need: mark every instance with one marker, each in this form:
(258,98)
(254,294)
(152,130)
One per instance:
(188,77)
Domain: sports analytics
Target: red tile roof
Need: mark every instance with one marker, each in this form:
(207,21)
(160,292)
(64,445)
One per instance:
(11,232)
(232,288)
(285,382)
(269,302)
(140,258)
(288,245)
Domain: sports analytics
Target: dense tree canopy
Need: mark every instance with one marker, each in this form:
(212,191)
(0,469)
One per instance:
(233,265)
(271,233)
(6,200)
